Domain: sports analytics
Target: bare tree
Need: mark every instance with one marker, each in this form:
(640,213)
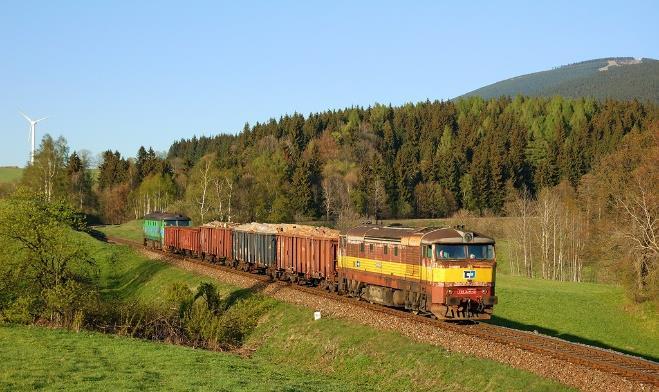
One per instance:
(522,207)
(378,198)
(328,197)
(561,233)
(332,186)
(229,183)
(219,186)
(639,206)
(546,211)
(204,181)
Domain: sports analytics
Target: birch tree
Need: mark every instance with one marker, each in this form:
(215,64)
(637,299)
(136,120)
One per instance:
(47,175)
(521,238)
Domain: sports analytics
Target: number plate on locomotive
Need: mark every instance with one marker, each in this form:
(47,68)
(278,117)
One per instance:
(469,274)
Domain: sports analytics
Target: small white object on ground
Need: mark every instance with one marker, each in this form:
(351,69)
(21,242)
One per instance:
(316,316)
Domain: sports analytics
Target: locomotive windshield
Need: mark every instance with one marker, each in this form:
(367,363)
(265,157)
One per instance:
(481,252)
(478,252)
(450,251)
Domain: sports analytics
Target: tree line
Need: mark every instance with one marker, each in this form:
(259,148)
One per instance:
(543,160)
(415,161)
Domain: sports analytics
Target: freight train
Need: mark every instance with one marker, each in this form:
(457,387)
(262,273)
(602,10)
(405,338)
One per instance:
(445,273)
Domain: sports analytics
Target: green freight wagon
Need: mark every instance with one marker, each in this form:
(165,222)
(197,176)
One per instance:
(154,226)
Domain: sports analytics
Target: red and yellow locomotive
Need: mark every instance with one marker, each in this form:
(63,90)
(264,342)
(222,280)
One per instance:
(446,272)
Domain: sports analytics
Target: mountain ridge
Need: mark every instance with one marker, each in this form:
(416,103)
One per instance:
(623,78)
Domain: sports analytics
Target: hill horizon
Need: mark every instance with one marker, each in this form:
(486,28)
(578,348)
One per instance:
(622,78)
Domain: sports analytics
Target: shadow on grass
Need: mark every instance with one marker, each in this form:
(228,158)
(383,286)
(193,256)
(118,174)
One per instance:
(245,293)
(126,284)
(99,235)
(569,337)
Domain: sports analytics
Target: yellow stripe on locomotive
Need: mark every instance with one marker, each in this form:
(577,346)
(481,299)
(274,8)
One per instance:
(437,274)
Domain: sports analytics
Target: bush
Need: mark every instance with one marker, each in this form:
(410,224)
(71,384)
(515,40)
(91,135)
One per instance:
(198,319)
(46,272)
(66,304)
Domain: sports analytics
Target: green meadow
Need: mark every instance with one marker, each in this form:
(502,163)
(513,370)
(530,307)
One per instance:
(10,174)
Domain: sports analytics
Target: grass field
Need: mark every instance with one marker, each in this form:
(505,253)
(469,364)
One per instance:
(40,358)
(10,174)
(289,351)
(131,230)
(590,313)
(597,314)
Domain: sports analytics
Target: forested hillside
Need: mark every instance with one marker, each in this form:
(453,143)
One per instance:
(425,160)
(621,78)
(579,176)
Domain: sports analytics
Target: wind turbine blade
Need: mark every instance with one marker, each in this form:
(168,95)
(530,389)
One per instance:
(41,119)
(26,117)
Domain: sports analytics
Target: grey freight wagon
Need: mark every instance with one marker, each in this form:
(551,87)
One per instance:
(254,246)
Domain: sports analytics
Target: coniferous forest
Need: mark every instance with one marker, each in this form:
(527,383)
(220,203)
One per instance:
(577,176)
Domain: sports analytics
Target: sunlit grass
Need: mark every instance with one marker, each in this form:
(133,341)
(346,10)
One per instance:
(10,174)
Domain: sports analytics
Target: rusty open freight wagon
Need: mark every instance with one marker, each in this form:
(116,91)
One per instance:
(183,240)
(216,242)
(306,253)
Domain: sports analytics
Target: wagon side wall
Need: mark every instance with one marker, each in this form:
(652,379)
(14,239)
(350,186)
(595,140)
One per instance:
(255,248)
(312,257)
(217,242)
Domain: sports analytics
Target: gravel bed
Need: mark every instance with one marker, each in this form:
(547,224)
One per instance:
(574,375)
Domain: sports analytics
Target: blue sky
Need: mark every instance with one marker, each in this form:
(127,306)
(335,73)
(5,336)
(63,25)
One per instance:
(123,74)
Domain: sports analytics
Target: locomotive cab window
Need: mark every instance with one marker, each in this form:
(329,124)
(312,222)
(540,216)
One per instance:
(480,252)
(361,247)
(450,251)
(427,251)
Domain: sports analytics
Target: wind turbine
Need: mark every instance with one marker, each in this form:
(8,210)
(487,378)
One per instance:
(33,125)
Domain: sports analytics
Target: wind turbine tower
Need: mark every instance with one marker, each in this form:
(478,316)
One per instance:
(33,125)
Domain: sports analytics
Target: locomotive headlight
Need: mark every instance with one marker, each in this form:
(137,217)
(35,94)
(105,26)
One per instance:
(484,291)
(449,291)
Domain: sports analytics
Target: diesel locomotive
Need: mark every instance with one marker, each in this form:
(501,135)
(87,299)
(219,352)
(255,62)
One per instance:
(446,272)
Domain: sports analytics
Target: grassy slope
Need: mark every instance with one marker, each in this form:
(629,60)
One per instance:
(131,230)
(591,313)
(10,174)
(328,354)
(35,358)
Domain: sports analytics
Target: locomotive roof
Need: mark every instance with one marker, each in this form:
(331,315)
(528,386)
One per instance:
(289,229)
(415,235)
(165,216)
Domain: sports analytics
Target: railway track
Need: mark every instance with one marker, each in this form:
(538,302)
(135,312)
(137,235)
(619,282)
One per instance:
(626,366)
